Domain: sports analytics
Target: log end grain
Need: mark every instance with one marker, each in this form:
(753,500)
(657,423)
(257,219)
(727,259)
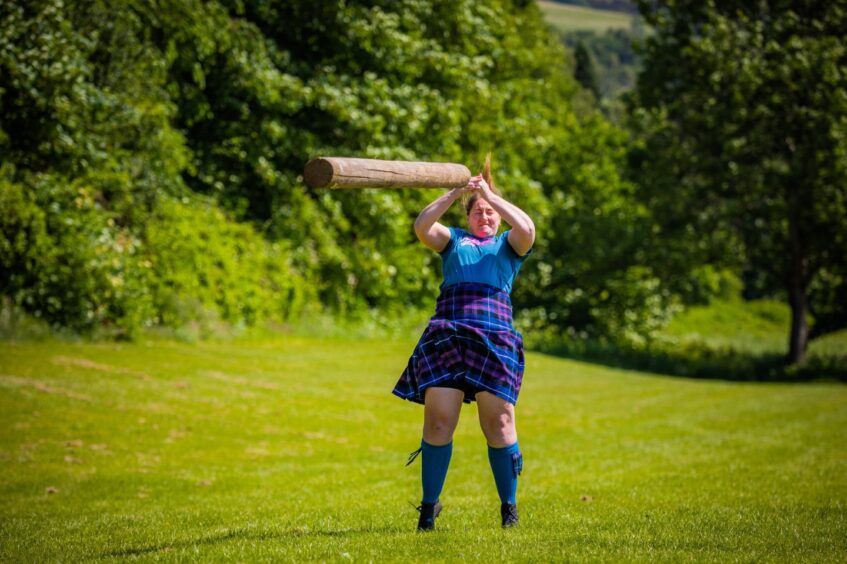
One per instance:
(318,173)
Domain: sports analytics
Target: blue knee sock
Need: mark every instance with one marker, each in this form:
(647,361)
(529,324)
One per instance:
(434,463)
(506,463)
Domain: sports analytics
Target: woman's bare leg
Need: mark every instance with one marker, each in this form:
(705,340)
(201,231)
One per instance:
(441,415)
(442,407)
(497,419)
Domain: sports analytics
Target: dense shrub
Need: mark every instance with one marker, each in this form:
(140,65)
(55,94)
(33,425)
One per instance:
(203,262)
(66,260)
(696,358)
(70,263)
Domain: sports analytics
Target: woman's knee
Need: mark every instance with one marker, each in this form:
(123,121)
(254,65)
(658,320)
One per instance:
(499,429)
(441,414)
(497,419)
(440,427)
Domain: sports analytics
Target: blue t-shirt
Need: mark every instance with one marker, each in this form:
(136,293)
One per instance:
(489,260)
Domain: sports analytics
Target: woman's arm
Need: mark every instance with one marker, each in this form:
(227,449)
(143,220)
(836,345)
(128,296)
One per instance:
(431,233)
(522,235)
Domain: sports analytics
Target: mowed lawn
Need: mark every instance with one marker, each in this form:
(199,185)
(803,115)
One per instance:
(294,449)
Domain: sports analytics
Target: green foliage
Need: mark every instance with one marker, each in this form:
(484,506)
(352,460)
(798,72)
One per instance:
(743,109)
(88,154)
(72,264)
(122,153)
(705,282)
(414,81)
(592,277)
(16,323)
(69,261)
(205,263)
(93,162)
(584,72)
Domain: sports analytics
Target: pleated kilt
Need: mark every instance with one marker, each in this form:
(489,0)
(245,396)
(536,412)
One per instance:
(469,344)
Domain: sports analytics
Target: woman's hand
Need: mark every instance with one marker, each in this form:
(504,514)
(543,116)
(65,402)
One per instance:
(478,184)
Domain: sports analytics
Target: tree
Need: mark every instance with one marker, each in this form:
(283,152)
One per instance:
(612,55)
(743,107)
(584,72)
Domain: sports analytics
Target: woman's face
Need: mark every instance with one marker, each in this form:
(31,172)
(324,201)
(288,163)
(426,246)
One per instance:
(483,220)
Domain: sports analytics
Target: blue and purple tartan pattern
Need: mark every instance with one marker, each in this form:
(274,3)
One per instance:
(470,342)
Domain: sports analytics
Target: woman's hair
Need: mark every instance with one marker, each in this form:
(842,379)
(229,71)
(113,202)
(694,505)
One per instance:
(469,201)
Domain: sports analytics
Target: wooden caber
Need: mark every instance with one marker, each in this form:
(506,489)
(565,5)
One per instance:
(346,173)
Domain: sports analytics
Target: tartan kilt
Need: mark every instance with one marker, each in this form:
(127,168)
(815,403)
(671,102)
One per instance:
(468,344)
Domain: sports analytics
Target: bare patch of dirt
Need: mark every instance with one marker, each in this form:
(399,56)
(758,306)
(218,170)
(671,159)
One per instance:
(176,434)
(17,381)
(258,450)
(91,365)
(230,379)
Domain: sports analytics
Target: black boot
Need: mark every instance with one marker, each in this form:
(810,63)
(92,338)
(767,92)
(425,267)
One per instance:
(509,514)
(429,511)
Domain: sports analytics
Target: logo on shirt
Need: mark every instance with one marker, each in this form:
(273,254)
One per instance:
(471,242)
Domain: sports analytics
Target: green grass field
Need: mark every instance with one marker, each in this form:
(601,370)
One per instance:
(575,18)
(293,448)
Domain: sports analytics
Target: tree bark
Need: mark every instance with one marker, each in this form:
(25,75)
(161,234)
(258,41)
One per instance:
(798,339)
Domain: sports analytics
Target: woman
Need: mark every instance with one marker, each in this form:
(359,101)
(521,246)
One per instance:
(470,351)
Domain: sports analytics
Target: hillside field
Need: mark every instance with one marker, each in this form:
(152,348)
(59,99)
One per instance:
(576,18)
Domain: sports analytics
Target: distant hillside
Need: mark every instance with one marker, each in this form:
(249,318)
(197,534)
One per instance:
(605,37)
(626,6)
(566,18)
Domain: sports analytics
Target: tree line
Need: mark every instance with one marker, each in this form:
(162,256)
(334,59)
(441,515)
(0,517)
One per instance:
(151,160)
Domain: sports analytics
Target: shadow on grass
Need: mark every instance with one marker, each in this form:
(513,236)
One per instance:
(697,360)
(251,535)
